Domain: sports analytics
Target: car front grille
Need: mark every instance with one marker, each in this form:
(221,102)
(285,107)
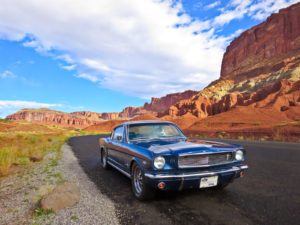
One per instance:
(202,160)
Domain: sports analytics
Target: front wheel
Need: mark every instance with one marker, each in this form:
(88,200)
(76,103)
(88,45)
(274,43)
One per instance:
(139,188)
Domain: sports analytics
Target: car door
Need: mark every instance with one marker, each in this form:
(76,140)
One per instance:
(116,145)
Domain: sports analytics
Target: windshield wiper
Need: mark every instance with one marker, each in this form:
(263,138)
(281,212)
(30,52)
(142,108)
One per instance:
(157,138)
(169,137)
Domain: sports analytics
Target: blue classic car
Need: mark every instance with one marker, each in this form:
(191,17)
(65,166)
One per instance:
(157,156)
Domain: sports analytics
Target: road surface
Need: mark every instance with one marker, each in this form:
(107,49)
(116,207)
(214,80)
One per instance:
(268,194)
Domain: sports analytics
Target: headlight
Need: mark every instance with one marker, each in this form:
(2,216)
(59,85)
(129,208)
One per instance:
(159,162)
(239,155)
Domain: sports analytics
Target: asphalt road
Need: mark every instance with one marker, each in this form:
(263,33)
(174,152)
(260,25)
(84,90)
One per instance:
(268,194)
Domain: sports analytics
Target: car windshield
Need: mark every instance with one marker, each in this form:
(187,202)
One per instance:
(153,131)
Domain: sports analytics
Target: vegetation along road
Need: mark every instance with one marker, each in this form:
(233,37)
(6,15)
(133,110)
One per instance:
(268,194)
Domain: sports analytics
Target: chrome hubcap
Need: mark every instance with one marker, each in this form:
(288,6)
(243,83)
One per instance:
(138,180)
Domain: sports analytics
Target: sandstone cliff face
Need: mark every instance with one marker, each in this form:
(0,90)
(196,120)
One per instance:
(266,47)
(281,95)
(85,118)
(260,68)
(157,106)
(130,112)
(75,119)
(88,115)
(51,117)
(110,116)
(160,105)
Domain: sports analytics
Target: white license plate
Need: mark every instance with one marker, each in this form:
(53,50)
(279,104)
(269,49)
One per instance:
(208,182)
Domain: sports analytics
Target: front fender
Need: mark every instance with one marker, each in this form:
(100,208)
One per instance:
(143,164)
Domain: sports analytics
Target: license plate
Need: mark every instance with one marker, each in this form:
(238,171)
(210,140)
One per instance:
(208,181)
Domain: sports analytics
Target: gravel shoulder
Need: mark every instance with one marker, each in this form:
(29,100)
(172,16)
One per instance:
(93,207)
(20,194)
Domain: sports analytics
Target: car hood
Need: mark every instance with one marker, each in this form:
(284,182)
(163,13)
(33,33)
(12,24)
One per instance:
(192,146)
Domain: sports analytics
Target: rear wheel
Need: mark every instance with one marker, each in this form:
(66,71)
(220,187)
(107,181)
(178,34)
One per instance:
(104,159)
(139,188)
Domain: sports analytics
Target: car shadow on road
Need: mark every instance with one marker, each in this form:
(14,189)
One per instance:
(186,207)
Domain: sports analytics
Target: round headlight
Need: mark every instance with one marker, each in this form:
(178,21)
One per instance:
(239,155)
(159,162)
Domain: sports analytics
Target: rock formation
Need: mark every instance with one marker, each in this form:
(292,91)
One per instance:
(266,47)
(84,119)
(260,65)
(161,105)
(52,117)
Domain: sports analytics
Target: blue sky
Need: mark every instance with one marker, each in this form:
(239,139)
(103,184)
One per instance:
(35,77)
(105,55)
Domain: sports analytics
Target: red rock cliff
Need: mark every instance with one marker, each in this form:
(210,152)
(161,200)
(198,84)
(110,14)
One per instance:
(276,38)
(257,67)
(51,117)
(162,104)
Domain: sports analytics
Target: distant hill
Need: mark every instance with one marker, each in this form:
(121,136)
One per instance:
(52,117)
(84,119)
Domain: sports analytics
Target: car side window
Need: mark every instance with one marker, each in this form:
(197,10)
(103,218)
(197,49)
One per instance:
(118,134)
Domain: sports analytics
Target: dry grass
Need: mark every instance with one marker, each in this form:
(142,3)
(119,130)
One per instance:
(22,143)
(7,157)
(20,148)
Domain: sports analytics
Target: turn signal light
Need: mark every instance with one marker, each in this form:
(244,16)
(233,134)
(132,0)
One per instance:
(161,185)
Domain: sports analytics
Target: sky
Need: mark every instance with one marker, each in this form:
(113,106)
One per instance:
(99,55)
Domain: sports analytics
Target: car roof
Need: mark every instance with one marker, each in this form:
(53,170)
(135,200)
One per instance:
(146,122)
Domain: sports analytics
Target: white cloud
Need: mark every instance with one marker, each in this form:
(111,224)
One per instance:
(87,76)
(68,67)
(131,46)
(237,10)
(263,9)
(213,5)
(142,48)
(7,74)
(259,10)
(16,104)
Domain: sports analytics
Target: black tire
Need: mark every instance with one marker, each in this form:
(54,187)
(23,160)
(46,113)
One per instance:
(139,188)
(104,163)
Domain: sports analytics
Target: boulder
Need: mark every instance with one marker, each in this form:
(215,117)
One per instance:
(63,196)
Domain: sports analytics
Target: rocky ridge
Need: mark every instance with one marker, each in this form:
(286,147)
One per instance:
(261,63)
(84,119)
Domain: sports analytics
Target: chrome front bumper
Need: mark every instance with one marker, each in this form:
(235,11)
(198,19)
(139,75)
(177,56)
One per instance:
(198,174)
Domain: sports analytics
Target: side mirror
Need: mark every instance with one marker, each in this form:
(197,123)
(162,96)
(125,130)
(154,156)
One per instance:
(119,138)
